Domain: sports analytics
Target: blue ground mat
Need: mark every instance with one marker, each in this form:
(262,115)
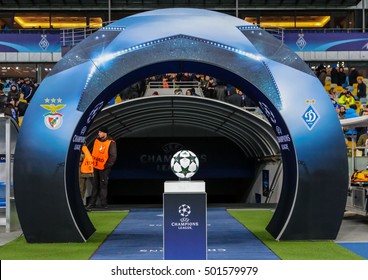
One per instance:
(140,237)
(359,248)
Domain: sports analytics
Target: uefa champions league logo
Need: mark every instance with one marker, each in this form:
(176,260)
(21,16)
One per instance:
(184,210)
(184,223)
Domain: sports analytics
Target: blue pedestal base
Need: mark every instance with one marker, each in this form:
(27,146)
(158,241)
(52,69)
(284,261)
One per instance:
(185,223)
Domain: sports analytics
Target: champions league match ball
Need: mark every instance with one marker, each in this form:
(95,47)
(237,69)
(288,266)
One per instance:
(184,164)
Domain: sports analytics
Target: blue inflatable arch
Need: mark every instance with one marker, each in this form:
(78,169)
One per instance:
(313,194)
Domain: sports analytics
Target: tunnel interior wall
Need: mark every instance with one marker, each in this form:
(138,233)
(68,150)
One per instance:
(144,165)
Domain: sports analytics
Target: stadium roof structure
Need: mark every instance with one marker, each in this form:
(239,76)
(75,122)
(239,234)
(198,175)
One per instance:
(141,5)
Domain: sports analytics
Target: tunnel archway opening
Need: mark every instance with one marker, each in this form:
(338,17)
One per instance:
(229,171)
(117,55)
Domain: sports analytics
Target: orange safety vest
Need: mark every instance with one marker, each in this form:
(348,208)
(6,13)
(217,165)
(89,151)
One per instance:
(100,153)
(87,163)
(165,84)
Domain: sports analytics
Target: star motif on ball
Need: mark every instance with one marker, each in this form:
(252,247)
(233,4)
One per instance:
(185,170)
(191,158)
(178,158)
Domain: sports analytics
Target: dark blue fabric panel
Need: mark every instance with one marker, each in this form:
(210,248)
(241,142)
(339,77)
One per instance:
(140,237)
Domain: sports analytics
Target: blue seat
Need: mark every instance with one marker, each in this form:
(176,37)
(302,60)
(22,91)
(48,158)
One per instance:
(363,100)
(2,194)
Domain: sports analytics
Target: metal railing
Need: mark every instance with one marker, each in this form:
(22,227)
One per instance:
(29,31)
(174,84)
(323,30)
(72,36)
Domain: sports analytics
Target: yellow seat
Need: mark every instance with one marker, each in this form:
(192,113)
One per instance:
(355,91)
(20,120)
(359,106)
(327,85)
(338,89)
(118,99)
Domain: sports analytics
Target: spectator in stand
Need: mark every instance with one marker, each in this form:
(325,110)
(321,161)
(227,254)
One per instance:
(27,89)
(339,94)
(362,130)
(22,105)
(198,78)
(14,93)
(361,88)
(234,98)
(6,83)
(171,77)
(332,95)
(342,112)
(351,113)
(191,91)
(210,88)
(185,77)
(321,74)
(165,83)
(11,110)
(334,75)
(347,98)
(353,75)
(242,97)
(188,92)
(178,91)
(362,141)
(338,110)
(220,90)
(20,83)
(341,76)
(204,85)
(3,101)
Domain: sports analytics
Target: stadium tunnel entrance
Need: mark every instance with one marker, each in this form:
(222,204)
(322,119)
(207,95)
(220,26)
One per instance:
(233,145)
(58,119)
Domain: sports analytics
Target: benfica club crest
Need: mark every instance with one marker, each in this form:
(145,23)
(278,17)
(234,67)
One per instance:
(53,119)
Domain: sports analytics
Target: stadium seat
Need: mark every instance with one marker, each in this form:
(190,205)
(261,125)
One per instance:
(338,89)
(2,194)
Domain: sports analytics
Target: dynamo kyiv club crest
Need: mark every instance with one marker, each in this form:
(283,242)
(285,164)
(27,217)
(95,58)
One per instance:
(310,117)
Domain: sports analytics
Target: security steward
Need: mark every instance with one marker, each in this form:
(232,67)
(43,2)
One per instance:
(86,169)
(104,155)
